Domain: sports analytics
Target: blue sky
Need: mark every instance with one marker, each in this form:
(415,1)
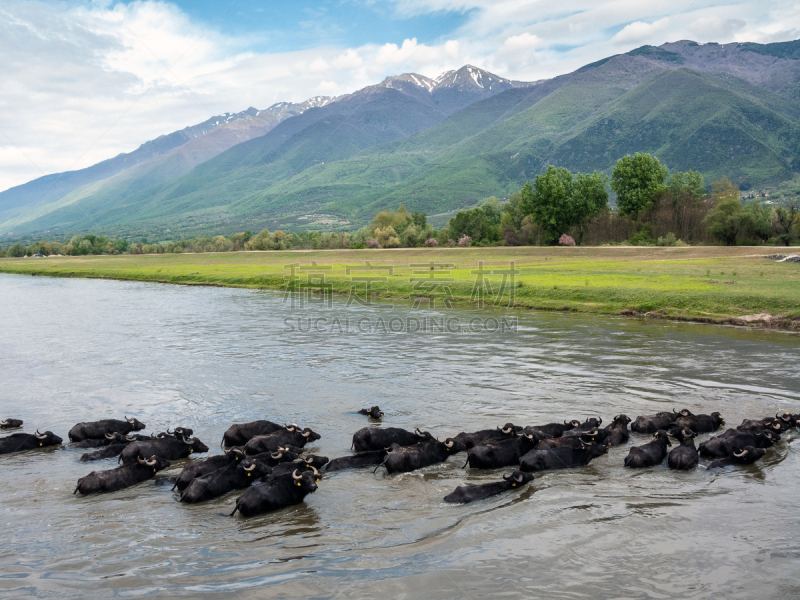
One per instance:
(284,26)
(83,80)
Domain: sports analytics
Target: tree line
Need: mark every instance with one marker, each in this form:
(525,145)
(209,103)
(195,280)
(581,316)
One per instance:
(558,207)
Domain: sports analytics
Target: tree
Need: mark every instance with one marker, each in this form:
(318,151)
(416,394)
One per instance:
(557,201)
(16,251)
(724,221)
(782,221)
(473,223)
(690,183)
(637,180)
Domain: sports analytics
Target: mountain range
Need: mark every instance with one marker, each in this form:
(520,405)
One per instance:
(435,145)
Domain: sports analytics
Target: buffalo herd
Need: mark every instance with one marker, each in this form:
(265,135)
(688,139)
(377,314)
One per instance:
(269,462)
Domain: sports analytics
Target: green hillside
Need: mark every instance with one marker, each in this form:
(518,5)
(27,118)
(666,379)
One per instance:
(691,105)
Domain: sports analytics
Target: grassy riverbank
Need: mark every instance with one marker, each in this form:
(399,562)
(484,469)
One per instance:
(709,284)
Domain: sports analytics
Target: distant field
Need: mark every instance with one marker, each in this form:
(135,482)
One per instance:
(709,284)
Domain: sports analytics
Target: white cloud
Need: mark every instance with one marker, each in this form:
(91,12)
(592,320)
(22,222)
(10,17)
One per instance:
(639,32)
(78,85)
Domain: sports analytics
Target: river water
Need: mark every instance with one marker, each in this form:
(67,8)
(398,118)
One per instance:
(75,350)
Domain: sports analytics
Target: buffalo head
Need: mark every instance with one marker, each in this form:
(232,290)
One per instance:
(136,425)
(519,478)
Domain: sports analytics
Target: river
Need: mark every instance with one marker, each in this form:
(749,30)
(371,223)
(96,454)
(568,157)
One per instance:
(75,350)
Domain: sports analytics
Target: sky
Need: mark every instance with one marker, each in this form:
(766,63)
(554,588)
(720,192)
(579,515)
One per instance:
(84,80)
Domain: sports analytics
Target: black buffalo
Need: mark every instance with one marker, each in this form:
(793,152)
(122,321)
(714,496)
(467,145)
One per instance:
(241,433)
(10,424)
(96,430)
(617,432)
(272,459)
(410,458)
(571,441)
(276,493)
(16,442)
(291,436)
(683,457)
(108,440)
(587,425)
(168,448)
(736,440)
(299,465)
(359,459)
(121,477)
(698,423)
(104,452)
(774,424)
(476,438)
(662,420)
(502,453)
(378,438)
(746,456)
(564,457)
(469,493)
(554,430)
(204,467)
(650,454)
(373,413)
(234,476)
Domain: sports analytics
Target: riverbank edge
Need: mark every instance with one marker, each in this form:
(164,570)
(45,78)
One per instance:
(763,320)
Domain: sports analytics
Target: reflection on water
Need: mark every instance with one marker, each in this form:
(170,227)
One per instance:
(75,350)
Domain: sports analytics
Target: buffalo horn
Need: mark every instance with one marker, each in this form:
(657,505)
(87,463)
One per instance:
(153,460)
(518,478)
(449,444)
(253,466)
(784,417)
(141,461)
(741,454)
(314,470)
(4,422)
(109,436)
(276,455)
(185,441)
(306,434)
(295,476)
(599,421)
(41,436)
(565,423)
(172,432)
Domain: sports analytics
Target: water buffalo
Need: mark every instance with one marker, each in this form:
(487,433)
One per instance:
(476,438)
(469,493)
(411,458)
(204,467)
(617,432)
(650,454)
(359,459)
(373,413)
(554,430)
(16,442)
(277,493)
(698,423)
(275,458)
(378,438)
(168,448)
(662,420)
(746,456)
(11,424)
(239,434)
(298,465)
(96,430)
(683,457)
(234,476)
(563,457)
(104,452)
(587,425)
(291,436)
(774,424)
(570,441)
(108,440)
(121,477)
(502,453)
(736,440)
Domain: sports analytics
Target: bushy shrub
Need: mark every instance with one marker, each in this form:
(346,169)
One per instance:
(431,243)
(566,240)
(465,241)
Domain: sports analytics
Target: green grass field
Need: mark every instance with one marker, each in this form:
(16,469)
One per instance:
(707,284)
